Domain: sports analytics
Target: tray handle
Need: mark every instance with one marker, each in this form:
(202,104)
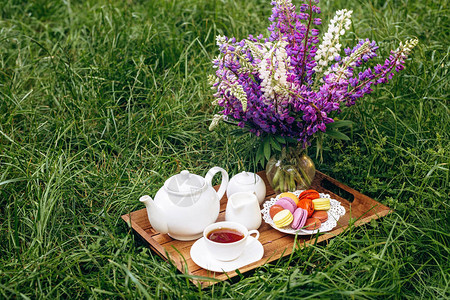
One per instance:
(332,187)
(358,201)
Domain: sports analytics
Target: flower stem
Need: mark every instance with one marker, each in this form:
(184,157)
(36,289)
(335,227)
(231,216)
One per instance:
(302,64)
(380,75)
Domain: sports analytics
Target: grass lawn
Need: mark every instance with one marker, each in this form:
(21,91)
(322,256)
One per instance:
(102,100)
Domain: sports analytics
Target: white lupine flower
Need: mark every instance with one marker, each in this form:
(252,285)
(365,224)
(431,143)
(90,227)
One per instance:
(220,39)
(238,91)
(235,89)
(284,2)
(349,61)
(212,80)
(330,46)
(273,71)
(215,122)
(231,85)
(256,52)
(409,45)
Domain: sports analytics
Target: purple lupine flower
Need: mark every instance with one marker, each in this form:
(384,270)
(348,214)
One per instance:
(269,85)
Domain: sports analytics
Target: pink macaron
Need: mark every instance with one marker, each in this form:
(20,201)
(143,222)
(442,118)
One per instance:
(287,203)
(300,216)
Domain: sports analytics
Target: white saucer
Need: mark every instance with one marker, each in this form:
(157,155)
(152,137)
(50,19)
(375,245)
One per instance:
(334,213)
(202,258)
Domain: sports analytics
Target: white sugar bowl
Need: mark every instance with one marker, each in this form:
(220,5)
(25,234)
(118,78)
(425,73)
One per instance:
(247,182)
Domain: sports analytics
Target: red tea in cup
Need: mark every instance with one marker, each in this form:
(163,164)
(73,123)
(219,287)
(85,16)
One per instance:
(225,235)
(226,241)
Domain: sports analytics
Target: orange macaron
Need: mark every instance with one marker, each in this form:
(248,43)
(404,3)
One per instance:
(309,194)
(312,224)
(306,204)
(274,210)
(322,215)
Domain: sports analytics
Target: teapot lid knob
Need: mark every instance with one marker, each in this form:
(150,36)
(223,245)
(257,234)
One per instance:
(185,182)
(247,178)
(184,174)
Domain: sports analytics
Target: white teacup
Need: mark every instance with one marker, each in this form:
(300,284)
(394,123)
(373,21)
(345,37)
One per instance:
(228,251)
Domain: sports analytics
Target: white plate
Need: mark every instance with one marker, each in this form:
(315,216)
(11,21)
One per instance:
(334,213)
(200,255)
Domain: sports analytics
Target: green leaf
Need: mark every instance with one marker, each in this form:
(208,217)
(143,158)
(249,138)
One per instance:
(340,123)
(291,141)
(260,154)
(275,145)
(280,139)
(337,135)
(267,148)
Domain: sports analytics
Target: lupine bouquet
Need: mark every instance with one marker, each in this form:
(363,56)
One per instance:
(289,84)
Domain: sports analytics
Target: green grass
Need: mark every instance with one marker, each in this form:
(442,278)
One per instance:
(100,101)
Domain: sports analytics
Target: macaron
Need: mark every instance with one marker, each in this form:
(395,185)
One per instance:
(300,216)
(312,224)
(274,209)
(306,204)
(289,195)
(287,203)
(321,204)
(322,215)
(309,194)
(283,218)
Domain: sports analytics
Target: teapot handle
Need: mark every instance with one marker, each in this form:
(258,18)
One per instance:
(223,185)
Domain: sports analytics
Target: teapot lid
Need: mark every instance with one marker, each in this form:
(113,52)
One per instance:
(185,183)
(247,178)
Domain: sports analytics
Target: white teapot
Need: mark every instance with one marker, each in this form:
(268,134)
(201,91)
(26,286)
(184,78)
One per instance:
(186,204)
(247,182)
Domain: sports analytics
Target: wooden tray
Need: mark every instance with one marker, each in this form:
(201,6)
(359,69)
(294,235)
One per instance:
(276,244)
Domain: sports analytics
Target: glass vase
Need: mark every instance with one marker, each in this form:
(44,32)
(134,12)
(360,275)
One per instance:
(290,170)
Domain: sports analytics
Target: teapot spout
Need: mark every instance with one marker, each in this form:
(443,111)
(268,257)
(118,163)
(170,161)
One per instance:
(144,199)
(155,214)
